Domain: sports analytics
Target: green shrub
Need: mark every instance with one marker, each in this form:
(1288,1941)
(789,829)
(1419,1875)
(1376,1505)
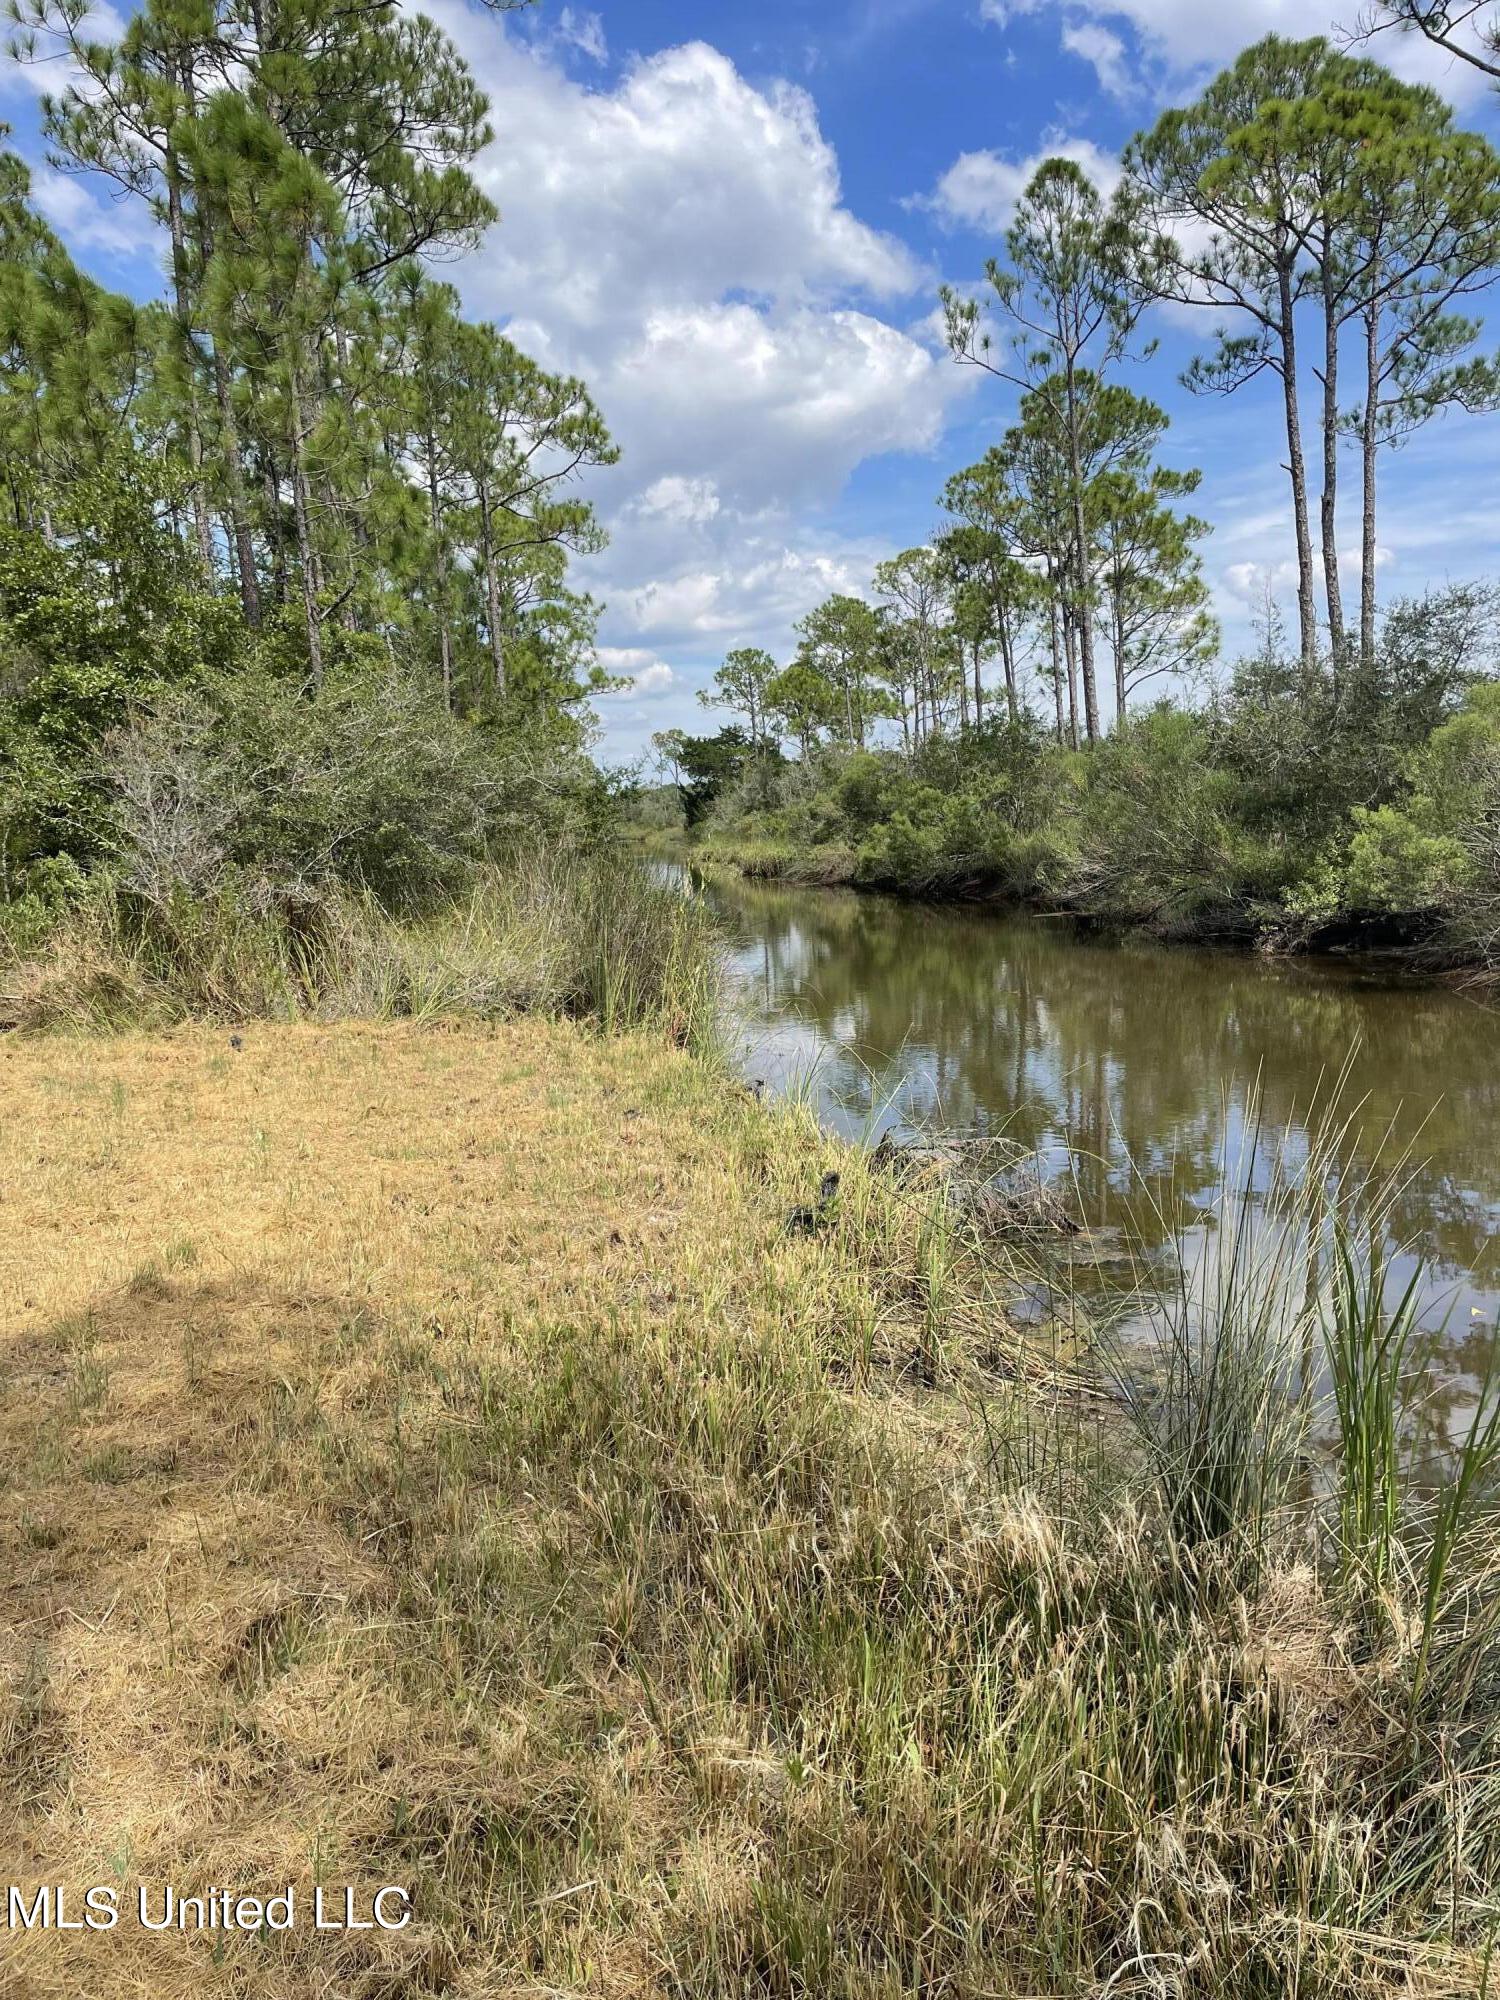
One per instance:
(370,784)
(1394,864)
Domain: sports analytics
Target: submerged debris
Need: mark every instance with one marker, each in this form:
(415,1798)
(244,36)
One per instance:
(995,1183)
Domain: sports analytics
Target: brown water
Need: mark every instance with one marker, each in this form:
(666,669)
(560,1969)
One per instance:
(1130,1064)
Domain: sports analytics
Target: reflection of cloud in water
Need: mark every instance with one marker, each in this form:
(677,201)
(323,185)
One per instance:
(1130,1063)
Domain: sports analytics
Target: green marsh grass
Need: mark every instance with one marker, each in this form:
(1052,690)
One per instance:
(583,934)
(1369,1344)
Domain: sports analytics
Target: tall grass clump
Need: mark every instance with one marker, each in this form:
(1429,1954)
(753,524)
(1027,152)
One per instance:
(564,932)
(1218,1385)
(1414,1533)
(1369,1345)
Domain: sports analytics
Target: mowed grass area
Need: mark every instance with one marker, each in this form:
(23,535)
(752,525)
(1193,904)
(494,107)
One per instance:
(430,1459)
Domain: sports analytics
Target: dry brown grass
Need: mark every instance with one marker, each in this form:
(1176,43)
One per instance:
(202,1247)
(430,1460)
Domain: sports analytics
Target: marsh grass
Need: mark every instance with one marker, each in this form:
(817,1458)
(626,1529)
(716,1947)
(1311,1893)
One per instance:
(681,1606)
(1369,1343)
(575,933)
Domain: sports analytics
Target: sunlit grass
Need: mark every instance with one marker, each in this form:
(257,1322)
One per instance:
(581,934)
(434,1460)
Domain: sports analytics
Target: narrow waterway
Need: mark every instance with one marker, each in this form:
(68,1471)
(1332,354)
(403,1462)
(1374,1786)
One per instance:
(1129,1067)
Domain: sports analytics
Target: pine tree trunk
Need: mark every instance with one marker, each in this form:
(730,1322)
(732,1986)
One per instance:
(302,516)
(1368,438)
(491,589)
(271,486)
(445,641)
(1057,678)
(1070,648)
(1328,511)
(1117,614)
(1008,660)
(182,313)
(1081,565)
(1307,617)
(234,479)
(238,536)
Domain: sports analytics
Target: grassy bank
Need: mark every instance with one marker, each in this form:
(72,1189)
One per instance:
(432,1459)
(567,931)
(1413,941)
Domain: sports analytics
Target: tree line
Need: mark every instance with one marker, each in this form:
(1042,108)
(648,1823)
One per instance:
(1337,225)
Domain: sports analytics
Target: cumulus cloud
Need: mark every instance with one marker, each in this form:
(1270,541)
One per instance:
(678,236)
(681,183)
(753,600)
(980,190)
(83,212)
(1104,50)
(584,32)
(1181,34)
(50,71)
(681,240)
(641,675)
(674,498)
(1246,582)
(1175,39)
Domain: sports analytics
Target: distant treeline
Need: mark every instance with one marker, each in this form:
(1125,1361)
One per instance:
(1338,225)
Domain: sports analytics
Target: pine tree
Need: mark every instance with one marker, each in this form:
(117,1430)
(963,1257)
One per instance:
(1071,301)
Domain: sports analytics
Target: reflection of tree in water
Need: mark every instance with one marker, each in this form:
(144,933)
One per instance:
(1444,1391)
(1125,1053)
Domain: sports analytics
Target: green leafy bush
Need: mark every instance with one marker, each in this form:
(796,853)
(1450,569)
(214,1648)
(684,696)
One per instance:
(370,784)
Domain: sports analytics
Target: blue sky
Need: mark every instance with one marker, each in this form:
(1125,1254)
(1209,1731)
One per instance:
(733,220)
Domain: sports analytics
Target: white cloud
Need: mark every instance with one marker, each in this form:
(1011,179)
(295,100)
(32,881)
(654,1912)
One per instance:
(1180,34)
(89,218)
(680,240)
(1106,52)
(674,498)
(1246,581)
(678,237)
(753,601)
(51,71)
(644,677)
(981,189)
(584,32)
(1175,39)
(682,183)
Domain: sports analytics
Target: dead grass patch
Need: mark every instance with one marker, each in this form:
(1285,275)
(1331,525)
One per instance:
(430,1460)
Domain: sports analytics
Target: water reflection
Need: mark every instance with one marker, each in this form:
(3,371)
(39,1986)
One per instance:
(1128,1061)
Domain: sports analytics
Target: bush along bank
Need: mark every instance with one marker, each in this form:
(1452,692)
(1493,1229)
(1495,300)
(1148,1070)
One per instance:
(1290,811)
